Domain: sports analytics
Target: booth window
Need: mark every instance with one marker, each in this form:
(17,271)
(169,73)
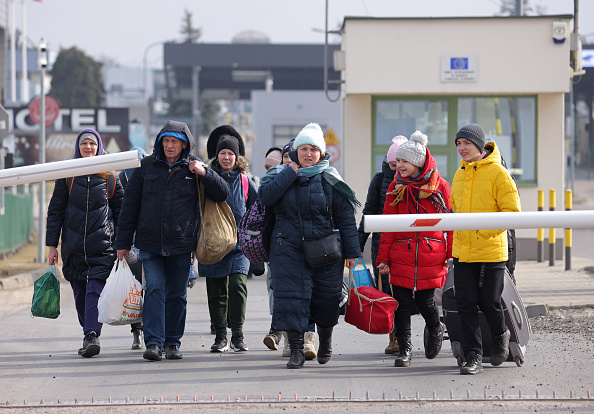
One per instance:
(509,121)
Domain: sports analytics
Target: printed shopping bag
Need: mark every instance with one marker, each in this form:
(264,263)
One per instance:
(120,302)
(46,295)
(369,309)
(362,277)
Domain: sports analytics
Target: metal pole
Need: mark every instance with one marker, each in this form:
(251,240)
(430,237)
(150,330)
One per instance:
(13,88)
(568,232)
(540,231)
(25,70)
(41,244)
(552,229)
(196,102)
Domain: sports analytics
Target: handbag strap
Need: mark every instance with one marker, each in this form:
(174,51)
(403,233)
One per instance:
(200,187)
(328,208)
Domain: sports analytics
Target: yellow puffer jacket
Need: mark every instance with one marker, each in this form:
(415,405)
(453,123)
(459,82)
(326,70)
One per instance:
(480,187)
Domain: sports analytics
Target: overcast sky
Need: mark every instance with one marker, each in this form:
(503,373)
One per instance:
(124,30)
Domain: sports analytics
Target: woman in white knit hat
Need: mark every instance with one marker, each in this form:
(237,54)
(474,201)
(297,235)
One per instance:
(311,201)
(416,262)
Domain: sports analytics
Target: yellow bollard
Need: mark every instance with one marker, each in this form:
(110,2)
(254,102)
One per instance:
(552,231)
(568,232)
(540,232)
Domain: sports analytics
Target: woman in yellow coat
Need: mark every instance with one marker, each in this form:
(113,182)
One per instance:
(481,185)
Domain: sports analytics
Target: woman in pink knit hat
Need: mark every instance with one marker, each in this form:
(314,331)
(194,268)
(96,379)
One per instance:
(374,204)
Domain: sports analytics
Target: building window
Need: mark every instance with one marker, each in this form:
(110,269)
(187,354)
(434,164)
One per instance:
(282,134)
(509,121)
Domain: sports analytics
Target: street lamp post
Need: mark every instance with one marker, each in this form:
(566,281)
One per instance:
(42,61)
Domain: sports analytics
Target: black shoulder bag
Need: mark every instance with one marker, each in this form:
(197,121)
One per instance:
(323,252)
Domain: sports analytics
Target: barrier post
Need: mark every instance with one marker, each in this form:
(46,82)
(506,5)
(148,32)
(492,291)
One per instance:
(568,231)
(552,230)
(540,232)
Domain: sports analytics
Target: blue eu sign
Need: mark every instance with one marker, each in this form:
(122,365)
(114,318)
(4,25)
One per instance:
(459,63)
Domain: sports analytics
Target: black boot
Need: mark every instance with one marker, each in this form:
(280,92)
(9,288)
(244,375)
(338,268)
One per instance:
(297,356)
(137,342)
(91,345)
(500,348)
(433,340)
(404,357)
(325,339)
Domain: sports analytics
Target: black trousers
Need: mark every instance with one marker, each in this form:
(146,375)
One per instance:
(425,304)
(474,291)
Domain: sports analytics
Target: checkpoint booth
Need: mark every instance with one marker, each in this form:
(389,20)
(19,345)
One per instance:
(508,74)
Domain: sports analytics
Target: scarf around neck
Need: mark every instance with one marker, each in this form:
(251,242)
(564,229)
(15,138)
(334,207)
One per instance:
(328,173)
(424,186)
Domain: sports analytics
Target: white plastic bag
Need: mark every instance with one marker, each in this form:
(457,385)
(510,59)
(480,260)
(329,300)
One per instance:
(120,302)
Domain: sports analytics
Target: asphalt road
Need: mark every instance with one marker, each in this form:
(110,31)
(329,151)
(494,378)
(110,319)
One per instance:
(40,362)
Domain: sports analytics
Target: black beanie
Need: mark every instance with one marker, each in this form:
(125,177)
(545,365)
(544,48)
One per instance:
(474,133)
(228,142)
(287,146)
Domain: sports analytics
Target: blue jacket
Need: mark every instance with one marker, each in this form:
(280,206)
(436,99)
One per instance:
(235,261)
(87,220)
(162,206)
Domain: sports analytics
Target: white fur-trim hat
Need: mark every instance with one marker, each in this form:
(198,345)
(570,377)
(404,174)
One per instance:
(311,134)
(414,150)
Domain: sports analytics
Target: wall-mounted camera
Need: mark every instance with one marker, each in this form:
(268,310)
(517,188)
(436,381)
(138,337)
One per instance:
(559,32)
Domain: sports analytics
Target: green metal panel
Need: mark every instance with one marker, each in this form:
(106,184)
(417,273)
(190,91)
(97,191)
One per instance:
(16,225)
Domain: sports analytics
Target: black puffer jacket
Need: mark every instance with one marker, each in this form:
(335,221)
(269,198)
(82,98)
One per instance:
(374,204)
(87,220)
(162,206)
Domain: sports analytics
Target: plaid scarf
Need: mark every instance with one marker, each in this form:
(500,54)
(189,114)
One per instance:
(423,186)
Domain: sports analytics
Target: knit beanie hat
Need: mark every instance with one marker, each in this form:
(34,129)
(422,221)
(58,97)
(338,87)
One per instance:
(311,134)
(228,142)
(474,133)
(88,135)
(414,150)
(218,132)
(273,156)
(396,142)
(287,147)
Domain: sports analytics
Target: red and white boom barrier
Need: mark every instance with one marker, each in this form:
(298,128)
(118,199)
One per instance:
(479,221)
(69,168)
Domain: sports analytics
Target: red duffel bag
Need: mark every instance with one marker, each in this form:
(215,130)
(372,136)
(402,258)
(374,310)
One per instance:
(369,309)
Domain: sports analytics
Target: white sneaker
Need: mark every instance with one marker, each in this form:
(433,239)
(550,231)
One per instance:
(309,346)
(287,348)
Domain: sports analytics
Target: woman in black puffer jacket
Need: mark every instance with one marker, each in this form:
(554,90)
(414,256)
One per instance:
(85,210)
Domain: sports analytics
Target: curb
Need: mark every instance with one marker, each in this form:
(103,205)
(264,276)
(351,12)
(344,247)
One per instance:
(22,279)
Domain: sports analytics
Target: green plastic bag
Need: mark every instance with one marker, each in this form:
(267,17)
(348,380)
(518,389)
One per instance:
(46,295)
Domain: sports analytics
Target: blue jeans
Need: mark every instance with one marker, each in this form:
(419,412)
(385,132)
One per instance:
(164,311)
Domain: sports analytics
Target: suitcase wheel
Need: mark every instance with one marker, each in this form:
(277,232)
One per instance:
(519,361)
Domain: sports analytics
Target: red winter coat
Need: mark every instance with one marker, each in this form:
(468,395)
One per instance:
(417,260)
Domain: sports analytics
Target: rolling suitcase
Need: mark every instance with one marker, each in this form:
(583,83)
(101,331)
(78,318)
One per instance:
(516,320)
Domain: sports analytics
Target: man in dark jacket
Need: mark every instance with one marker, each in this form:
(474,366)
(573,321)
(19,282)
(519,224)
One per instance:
(161,206)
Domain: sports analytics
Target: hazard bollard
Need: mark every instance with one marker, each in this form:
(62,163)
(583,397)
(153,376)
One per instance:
(568,232)
(552,230)
(540,232)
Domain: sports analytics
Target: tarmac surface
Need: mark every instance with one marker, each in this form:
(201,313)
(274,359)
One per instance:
(39,367)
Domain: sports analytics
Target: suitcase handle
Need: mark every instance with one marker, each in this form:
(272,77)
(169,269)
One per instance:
(517,314)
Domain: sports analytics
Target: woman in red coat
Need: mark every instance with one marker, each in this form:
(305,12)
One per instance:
(416,261)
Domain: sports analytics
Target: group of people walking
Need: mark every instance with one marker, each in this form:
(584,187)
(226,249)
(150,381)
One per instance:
(158,217)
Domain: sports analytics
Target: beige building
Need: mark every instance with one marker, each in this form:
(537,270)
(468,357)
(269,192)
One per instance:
(437,74)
